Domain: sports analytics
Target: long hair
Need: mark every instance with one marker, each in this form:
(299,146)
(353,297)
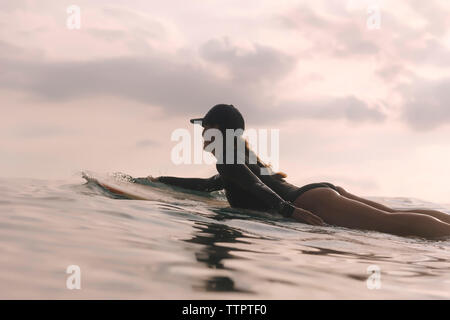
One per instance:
(249,153)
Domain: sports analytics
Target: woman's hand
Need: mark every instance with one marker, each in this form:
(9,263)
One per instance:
(306,216)
(153,179)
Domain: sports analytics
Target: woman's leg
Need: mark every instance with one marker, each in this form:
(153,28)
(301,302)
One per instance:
(338,210)
(434,213)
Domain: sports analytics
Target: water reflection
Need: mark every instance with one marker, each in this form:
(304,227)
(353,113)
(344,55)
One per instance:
(213,254)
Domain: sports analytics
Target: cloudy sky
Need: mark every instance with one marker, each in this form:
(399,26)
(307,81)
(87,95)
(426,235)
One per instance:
(364,108)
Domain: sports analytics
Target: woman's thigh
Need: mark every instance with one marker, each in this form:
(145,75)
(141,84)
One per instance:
(371,203)
(317,201)
(311,200)
(433,213)
(341,211)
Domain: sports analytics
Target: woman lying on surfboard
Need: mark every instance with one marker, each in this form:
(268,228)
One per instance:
(317,203)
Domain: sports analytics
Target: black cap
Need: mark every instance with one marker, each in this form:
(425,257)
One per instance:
(224,115)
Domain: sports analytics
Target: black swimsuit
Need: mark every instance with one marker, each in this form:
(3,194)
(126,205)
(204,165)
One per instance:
(293,196)
(245,187)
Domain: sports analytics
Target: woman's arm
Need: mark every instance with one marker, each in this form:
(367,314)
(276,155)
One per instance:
(198,184)
(241,175)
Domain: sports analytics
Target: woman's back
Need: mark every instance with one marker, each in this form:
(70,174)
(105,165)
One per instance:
(245,190)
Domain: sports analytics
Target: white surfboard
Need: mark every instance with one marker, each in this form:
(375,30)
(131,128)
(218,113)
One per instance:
(122,185)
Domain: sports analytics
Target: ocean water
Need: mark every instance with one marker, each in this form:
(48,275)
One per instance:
(192,246)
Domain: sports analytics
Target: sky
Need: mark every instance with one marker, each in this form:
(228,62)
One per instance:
(363,107)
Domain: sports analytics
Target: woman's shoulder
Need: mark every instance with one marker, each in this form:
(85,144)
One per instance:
(226,169)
